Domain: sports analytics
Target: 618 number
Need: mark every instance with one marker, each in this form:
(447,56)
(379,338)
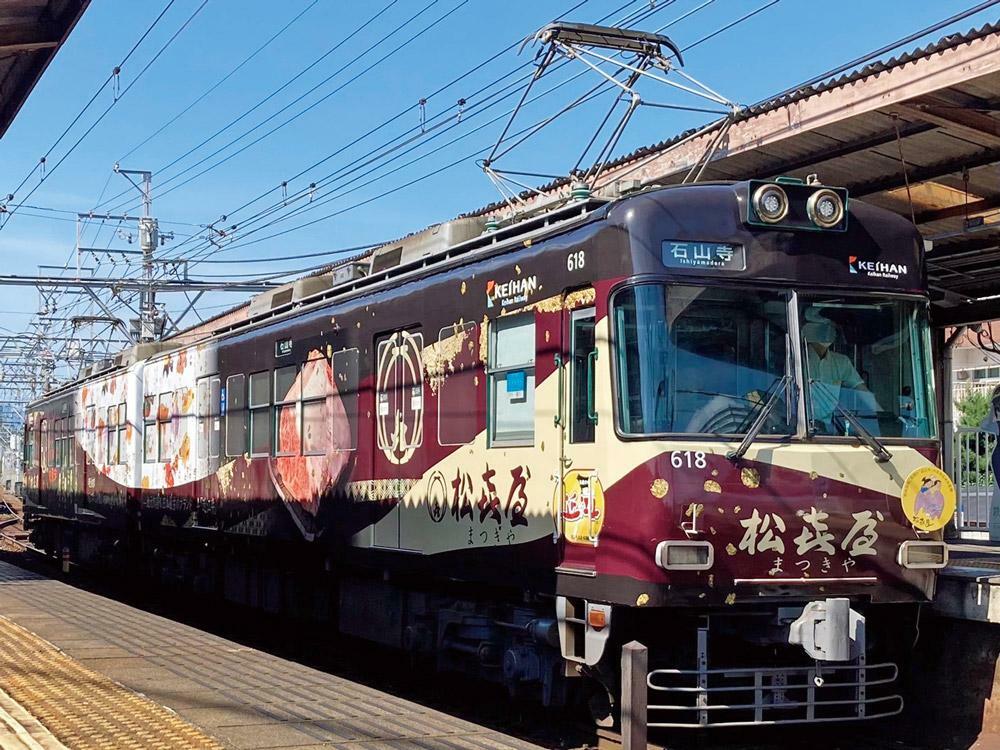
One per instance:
(688,459)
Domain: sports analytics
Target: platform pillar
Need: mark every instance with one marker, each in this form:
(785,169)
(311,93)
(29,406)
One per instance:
(635,665)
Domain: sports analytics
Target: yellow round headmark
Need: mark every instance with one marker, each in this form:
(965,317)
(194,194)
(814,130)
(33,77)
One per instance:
(928,498)
(582,511)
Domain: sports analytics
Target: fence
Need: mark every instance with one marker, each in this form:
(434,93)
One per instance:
(972,473)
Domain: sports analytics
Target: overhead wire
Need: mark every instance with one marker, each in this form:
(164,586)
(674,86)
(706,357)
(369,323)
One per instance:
(161,192)
(386,122)
(370,180)
(168,123)
(246,113)
(467,115)
(100,118)
(115,72)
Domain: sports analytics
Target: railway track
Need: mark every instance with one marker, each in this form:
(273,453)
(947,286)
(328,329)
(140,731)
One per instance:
(360,661)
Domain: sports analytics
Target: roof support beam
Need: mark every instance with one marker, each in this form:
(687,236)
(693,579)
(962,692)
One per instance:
(974,312)
(962,209)
(850,147)
(974,125)
(928,172)
(28,37)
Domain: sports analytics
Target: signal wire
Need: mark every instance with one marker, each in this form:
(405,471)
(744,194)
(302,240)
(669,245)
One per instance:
(115,71)
(633,17)
(103,114)
(397,116)
(277,91)
(218,83)
(310,107)
(910,38)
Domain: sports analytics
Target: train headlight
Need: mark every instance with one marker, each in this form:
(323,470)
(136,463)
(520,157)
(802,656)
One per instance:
(771,203)
(685,555)
(917,555)
(825,208)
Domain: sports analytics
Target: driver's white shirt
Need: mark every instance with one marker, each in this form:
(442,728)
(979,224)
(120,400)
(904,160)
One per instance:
(835,371)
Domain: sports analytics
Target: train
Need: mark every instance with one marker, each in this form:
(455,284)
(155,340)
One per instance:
(700,418)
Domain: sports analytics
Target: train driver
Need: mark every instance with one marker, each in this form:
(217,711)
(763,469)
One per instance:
(836,374)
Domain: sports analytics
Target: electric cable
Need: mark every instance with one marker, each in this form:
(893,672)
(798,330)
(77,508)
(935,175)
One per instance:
(103,114)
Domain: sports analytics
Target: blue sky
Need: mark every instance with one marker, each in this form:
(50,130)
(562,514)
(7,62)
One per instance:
(783,45)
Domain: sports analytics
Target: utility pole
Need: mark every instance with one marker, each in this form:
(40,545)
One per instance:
(150,325)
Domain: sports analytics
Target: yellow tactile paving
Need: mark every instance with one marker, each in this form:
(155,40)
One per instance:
(83,709)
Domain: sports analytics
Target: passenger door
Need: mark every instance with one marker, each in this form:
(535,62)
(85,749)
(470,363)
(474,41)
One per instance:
(582,498)
(399,419)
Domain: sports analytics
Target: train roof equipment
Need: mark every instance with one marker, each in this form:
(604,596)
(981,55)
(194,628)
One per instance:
(621,58)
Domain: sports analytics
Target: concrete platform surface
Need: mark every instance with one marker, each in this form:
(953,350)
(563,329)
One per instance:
(220,693)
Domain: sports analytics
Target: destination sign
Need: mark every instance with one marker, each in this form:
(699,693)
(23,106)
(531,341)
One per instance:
(711,256)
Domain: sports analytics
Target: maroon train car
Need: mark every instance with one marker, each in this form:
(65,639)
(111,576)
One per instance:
(701,417)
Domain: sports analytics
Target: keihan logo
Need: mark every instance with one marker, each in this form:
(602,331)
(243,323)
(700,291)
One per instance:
(876,269)
(513,292)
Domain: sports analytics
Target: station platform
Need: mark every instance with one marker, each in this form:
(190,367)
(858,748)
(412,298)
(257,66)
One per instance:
(79,670)
(969,588)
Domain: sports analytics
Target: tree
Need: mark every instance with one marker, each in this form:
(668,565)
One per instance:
(975,448)
(974,407)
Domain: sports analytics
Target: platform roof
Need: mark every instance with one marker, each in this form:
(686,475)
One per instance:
(927,119)
(31,32)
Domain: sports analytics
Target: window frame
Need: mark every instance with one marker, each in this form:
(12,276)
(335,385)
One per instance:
(164,424)
(280,405)
(454,330)
(150,430)
(202,416)
(313,401)
(353,418)
(111,436)
(793,354)
(800,435)
(241,410)
(267,410)
(491,375)
(931,395)
(582,313)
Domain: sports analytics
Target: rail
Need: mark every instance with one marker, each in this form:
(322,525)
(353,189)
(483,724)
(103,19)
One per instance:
(972,473)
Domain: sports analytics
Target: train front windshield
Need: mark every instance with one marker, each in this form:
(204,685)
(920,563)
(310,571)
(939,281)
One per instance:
(708,360)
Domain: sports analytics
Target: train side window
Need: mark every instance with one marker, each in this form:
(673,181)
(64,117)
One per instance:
(583,349)
(345,381)
(236,416)
(164,418)
(111,429)
(204,418)
(260,412)
(215,428)
(44,444)
(75,437)
(453,374)
(183,420)
(287,439)
(122,431)
(149,446)
(316,394)
(511,378)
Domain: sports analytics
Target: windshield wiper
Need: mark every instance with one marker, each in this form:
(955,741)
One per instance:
(758,423)
(881,452)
